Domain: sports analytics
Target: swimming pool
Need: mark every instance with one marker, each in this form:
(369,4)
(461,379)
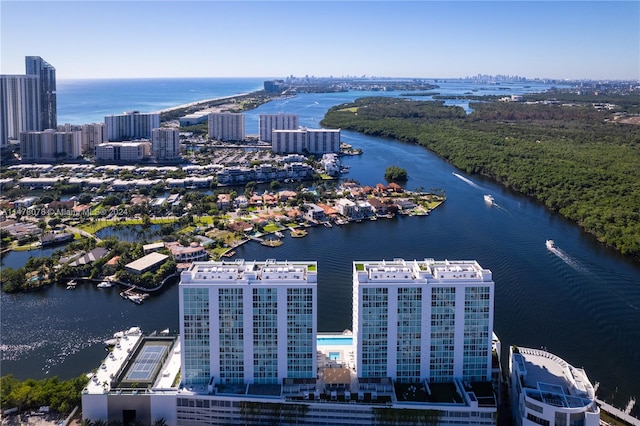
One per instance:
(334,340)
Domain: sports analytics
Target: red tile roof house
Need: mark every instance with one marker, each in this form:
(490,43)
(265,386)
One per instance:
(190,253)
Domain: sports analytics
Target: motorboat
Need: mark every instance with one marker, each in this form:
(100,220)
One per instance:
(488,198)
(550,244)
(105,284)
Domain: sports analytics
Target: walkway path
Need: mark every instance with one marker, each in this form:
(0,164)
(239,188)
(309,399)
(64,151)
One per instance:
(616,412)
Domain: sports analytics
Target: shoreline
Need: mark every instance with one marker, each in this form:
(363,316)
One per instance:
(203,101)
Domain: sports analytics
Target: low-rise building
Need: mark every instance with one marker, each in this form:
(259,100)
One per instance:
(146,263)
(314,213)
(194,118)
(346,208)
(191,253)
(122,151)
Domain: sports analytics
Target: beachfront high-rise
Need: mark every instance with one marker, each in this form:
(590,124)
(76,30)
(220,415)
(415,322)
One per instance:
(93,135)
(19,106)
(131,125)
(226,126)
(428,320)
(269,122)
(50,145)
(46,73)
(248,322)
(165,143)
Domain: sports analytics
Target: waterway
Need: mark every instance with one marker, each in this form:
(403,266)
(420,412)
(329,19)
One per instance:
(581,301)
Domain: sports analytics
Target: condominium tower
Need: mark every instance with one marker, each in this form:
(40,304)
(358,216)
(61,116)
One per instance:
(19,106)
(50,145)
(226,126)
(249,352)
(425,320)
(46,73)
(303,140)
(269,122)
(248,322)
(165,143)
(131,125)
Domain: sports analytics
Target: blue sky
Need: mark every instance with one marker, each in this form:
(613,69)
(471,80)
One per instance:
(430,39)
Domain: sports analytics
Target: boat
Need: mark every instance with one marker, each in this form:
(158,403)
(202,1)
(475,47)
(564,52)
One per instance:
(137,298)
(71,285)
(488,198)
(328,224)
(279,234)
(229,253)
(550,244)
(105,284)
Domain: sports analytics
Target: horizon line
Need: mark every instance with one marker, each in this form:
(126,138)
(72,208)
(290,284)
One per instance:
(471,77)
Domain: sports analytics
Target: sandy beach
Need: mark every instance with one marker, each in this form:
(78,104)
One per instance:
(204,101)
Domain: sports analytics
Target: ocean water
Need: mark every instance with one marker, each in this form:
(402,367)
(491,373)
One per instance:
(89,101)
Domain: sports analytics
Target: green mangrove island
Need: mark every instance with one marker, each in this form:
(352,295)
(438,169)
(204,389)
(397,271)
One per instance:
(579,157)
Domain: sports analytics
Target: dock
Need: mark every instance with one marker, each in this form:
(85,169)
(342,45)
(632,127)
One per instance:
(618,413)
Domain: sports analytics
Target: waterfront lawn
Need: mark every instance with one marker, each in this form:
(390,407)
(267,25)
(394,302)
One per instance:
(271,227)
(93,227)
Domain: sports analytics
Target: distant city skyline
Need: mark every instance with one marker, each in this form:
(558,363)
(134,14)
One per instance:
(429,39)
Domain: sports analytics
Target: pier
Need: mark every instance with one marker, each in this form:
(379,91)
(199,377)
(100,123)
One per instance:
(618,413)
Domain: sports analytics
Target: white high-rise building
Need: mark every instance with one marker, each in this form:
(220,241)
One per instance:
(248,322)
(50,145)
(226,126)
(249,353)
(165,143)
(547,390)
(19,106)
(307,141)
(131,125)
(269,122)
(428,320)
(93,135)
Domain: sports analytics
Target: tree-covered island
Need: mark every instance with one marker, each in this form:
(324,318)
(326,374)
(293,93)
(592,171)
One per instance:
(578,157)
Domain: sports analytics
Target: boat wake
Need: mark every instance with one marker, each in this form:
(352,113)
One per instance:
(467,180)
(564,256)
